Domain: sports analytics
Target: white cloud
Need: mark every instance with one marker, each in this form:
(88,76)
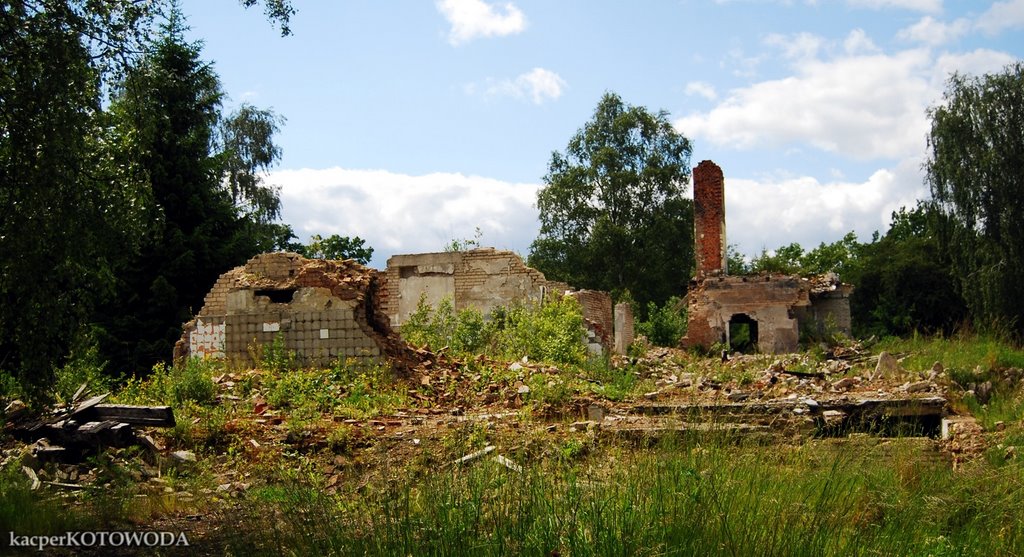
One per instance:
(399,213)
(472,19)
(858,42)
(926,6)
(932,32)
(702,89)
(769,213)
(1002,15)
(798,46)
(976,62)
(866,106)
(537,85)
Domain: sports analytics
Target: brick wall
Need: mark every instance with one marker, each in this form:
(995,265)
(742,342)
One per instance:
(597,310)
(709,219)
(324,320)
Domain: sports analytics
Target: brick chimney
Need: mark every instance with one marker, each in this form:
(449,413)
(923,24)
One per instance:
(709,219)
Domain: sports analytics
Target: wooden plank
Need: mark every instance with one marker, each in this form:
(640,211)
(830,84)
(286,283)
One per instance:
(92,402)
(155,416)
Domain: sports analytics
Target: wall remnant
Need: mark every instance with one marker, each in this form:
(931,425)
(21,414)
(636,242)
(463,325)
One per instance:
(485,279)
(624,331)
(321,310)
(767,312)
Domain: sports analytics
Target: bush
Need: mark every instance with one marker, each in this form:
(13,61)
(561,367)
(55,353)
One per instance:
(552,331)
(665,325)
(190,380)
(84,366)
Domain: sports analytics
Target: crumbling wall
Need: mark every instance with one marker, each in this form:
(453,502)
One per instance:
(709,219)
(596,307)
(484,279)
(321,310)
(783,306)
(777,306)
(713,302)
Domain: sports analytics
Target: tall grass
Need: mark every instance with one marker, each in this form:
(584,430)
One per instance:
(707,497)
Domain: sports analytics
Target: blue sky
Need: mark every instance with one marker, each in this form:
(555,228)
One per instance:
(413,122)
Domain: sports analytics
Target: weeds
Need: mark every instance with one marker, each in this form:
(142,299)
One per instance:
(550,332)
(706,496)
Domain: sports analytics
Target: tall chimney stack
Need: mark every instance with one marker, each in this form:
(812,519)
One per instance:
(709,219)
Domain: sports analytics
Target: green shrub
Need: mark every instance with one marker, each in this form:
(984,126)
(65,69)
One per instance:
(552,331)
(275,356)
(10,388)
(665,325)
(302,387)
(189,380)
(83,366)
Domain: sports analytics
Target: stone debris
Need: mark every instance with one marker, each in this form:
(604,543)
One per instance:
(886,368)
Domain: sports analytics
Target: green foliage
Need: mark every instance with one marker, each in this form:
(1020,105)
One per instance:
(337,247)
(442,327)
(300,388)
(465,244)
(966,357)
(275,356)
(73,176)
(84,366)
(903,282)
(736,262)
(838,257)
(66,210)
(211,210)
(191,380)
(612,210)
(552,331)
(973,171)
(704,497)
(664,325)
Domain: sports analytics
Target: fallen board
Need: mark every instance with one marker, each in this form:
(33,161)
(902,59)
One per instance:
(153,416)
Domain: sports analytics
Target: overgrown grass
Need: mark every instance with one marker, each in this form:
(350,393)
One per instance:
(707,497)
(191,380)
(966,358)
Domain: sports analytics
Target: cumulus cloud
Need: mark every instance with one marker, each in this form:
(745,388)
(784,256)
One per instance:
(926,6)
(769,213)
(472,19)
(799,46)
(864,106)
(400,213)
(1002,15)
(702,89)
(977,62)
(537,86)
(932,32)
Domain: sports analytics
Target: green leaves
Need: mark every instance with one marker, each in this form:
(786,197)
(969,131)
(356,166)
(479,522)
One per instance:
(337,247)
(613,216)
(974,172)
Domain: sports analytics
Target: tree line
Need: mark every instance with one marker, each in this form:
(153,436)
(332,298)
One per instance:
(615,216)
(127,187)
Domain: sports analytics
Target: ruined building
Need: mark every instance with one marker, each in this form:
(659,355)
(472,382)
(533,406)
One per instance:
(326,310)
(320,310)
(487,278)
(769,311)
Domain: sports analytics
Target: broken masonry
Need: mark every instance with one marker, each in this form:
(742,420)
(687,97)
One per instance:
(765,312)
(325,310)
